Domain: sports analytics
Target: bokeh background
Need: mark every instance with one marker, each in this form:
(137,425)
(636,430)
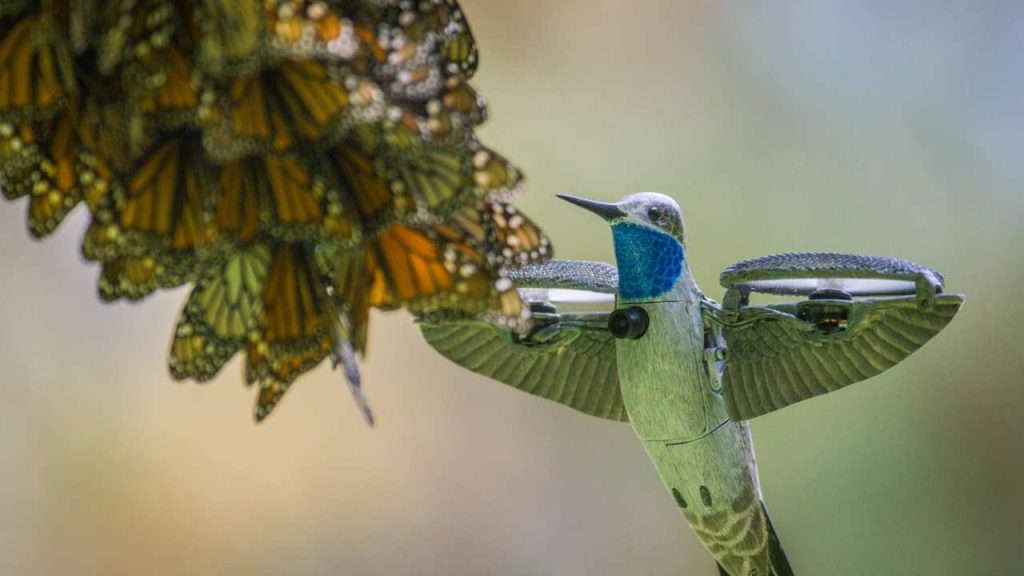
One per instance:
(848,126)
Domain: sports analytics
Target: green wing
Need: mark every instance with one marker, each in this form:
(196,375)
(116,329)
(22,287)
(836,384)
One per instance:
(779,355)
(567,357)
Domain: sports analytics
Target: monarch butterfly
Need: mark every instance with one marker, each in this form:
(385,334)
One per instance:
(446,19)
(278,195)
(158,211)
(295,334)
(133,31)
(130,277)
(40,160)
(235,37)
(169,90)
(274,110)
(393,179)
(221,314)
(298,162)
(36,75)
(456,109)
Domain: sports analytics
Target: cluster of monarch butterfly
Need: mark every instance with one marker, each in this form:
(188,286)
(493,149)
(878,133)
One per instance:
(298,162)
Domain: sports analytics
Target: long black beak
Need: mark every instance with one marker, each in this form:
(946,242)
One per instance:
(605,210)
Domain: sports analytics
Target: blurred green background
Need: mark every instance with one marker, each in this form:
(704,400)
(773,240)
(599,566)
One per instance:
(852,126)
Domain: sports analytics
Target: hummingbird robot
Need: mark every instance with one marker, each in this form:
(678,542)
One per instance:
(687,372)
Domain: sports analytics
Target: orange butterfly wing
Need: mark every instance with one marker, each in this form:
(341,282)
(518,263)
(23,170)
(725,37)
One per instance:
(300,162)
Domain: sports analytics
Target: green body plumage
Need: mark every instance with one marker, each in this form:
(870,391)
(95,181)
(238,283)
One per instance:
(703,457)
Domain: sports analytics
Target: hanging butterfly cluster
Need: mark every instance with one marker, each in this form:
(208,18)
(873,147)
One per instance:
(297,162)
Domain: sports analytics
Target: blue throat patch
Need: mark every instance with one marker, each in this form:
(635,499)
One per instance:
(649,261)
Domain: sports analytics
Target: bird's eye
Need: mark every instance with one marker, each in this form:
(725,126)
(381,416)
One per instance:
(656,214)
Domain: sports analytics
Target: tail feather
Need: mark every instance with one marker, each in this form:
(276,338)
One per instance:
(780,564)
(757,550)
